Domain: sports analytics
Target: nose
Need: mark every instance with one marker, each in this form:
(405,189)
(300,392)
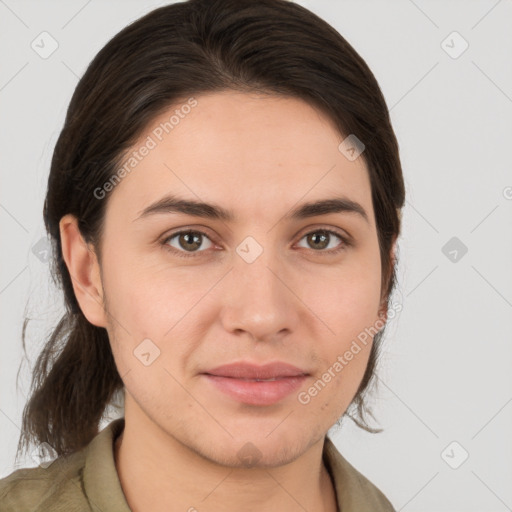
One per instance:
(261,297)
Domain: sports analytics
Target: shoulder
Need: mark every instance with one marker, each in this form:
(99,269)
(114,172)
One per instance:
(57,487)
(355,492)
(71,483)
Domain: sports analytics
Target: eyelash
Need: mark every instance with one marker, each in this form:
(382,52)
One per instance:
(183,254)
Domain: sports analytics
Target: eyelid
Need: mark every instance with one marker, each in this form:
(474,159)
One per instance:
(344,235)
(207,232)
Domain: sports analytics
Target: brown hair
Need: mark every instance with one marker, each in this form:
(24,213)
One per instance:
(177,51)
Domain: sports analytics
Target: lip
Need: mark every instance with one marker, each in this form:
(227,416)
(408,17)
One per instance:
(237,381)
(246,370)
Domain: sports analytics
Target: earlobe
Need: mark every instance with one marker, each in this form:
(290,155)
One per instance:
(83,268)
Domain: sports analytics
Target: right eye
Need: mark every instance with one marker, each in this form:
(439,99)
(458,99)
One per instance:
(187,239)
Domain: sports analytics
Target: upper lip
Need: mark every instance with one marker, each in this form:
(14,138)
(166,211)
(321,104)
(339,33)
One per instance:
(245,370)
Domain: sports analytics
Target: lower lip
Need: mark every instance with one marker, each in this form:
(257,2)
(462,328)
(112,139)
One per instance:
(257,393)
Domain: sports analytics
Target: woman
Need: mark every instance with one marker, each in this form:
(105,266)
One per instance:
(224,203)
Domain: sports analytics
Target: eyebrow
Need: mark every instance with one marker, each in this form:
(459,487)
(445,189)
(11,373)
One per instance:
(174,204)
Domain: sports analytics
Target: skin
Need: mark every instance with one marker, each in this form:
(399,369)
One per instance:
(294,303)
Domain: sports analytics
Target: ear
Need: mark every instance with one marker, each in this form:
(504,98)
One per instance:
(383,310)
(84,270)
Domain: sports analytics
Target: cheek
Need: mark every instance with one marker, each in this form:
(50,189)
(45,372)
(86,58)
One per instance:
(151,301)
(346,301)
(347,304)
(140,293)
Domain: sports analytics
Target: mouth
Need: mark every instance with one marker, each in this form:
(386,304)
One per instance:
(253,384)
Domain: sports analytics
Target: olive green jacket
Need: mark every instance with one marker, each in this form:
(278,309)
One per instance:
(87,480)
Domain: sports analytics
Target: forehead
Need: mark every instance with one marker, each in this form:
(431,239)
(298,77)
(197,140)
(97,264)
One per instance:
(255,152)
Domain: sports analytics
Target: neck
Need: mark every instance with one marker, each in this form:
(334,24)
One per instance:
(158,473)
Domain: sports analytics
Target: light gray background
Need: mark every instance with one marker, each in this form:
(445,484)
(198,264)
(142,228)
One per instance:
(446,373)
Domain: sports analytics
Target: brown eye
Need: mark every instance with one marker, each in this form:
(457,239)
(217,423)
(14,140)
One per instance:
(320,240)
(186,242)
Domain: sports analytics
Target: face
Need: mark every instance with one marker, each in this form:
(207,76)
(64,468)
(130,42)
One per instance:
(188,292)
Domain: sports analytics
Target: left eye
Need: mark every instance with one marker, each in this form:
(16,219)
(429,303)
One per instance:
(188,241)
(320,236)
